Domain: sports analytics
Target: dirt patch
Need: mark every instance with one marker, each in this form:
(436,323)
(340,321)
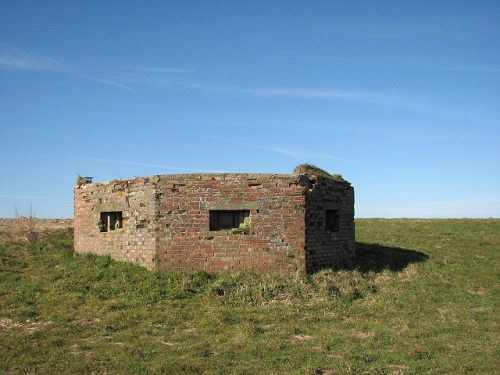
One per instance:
(29,326)
(482,309)
(27,229)
(301,338)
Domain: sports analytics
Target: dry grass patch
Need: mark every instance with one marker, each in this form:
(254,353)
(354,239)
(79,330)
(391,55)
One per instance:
(29,229)
(29,326)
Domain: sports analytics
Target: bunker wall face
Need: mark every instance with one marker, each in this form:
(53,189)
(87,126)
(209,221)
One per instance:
(117,219)
(330,232)
(194,231)
(218,222)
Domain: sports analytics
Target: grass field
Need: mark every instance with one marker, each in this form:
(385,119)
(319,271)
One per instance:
(421,297)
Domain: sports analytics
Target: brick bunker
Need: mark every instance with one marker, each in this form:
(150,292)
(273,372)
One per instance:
(216,222)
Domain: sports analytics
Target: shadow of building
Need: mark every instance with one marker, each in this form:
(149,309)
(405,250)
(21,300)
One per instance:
(376,258)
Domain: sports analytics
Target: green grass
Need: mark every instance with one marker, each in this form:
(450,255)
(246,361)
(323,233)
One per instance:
(421,297)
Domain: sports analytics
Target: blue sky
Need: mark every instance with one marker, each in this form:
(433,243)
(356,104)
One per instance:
(401,98)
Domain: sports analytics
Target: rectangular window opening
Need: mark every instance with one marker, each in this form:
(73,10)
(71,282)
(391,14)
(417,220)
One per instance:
(110,221)
(235,220)
(332,220)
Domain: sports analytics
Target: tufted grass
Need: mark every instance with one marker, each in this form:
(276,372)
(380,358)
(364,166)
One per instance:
(421,297)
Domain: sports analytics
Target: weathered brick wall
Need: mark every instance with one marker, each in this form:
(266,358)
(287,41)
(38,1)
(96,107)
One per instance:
(167,221)
(324,247)
(135,198)
(275,239)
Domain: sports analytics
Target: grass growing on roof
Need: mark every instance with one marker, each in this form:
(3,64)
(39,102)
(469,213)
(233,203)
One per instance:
(312,170)
(420,297)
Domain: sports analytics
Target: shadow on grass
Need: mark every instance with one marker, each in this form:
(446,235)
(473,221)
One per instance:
(375,257)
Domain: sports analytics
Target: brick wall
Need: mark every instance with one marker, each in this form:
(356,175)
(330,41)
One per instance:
(135,242)
(327,247)
(166,221)
(275,238)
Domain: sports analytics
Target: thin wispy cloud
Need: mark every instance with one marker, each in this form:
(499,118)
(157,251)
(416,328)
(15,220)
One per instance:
(112,83)
(125,162)
(302,154)
(293,153)
(302,93)
(160,69)
(397,100)
(17,59)
(390,99)
(277,92)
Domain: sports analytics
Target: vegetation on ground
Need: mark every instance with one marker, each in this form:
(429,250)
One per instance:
(420,297)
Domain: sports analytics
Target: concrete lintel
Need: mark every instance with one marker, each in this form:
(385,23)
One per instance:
(331,206)
(231,206)
(110,207)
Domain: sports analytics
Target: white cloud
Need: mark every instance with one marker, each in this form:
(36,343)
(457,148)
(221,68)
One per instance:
(397,100)
(278,92)
(16,59)
(109,82)
(160,69)
(144,164)
(302,154)
(295,153)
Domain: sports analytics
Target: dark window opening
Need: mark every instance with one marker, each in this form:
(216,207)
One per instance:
(229,219)
(110,221)
(332,220)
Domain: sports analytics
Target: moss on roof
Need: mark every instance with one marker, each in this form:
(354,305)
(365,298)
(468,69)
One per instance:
(312,170)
